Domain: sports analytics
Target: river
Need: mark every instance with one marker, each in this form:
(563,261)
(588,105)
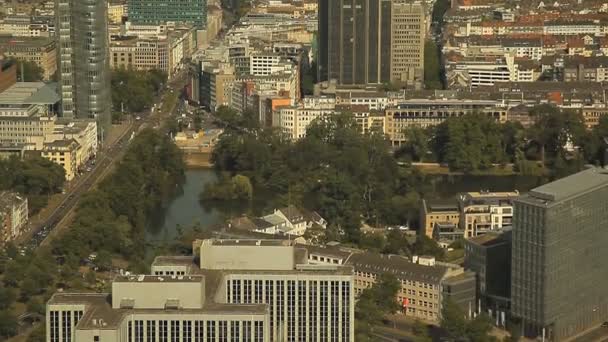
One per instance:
(185,209)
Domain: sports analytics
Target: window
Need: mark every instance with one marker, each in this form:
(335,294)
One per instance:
(151,331)
(175,331)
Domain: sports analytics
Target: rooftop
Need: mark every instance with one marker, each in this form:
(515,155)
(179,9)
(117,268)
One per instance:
(30,93)
(173,260)
(399,265)
(249,242)
(569,187)
(488,239)
(159,279)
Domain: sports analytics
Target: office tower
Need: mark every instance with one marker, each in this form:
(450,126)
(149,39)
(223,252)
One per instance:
(82,35)
(241,291)
(407,41)
(159,12)
(371,41)
(559,284)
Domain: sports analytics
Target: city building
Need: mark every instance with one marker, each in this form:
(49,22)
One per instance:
(28,118)
(241,290)
(559,283)
(408,32)
(155,12)
(116,11)
(214,81)
(434,214)
(154,308)
(482,212)
(27,114)
(167,52)
(289,221)
(41,51)
(371,42)
(84,72)
(423,280)
(294,120)
(23,25)
(278,273)
(8,74)
(64,153)
(489,256)
(430,112)
(13,215)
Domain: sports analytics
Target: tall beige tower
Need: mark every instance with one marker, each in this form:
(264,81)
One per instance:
(408,31)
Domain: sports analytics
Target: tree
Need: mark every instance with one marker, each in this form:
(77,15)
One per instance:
(432,66)
(103,261)
(453,320)
(396,243)
(35,305)
(32,72)
(427,246)
(7,297)
(416,143)
(133,90)
(38,334)
(479,328)
(374,303)
(8,324)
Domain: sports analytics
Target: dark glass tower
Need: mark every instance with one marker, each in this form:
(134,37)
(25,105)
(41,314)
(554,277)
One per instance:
(354,41)
(84,72)
(559,284)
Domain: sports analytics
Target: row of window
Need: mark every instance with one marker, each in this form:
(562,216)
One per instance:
(195,331)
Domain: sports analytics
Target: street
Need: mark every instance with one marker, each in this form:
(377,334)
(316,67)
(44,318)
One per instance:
(106,157)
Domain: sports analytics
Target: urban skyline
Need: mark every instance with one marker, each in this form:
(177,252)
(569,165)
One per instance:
(315,170)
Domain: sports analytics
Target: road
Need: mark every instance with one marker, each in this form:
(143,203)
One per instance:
(106,157)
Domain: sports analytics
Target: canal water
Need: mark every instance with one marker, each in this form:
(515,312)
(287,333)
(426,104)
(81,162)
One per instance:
(185,209)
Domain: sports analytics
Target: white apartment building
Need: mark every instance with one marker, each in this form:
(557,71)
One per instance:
(295,120)
(473,73)
(482,212)
(374,101)
(569,29)
(263,65)
(22,26)
(524,49)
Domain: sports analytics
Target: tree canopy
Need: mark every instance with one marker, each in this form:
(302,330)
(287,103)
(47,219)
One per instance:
(37,178)
(346,176)
(557,141)
(135,90)
(32,72)
(374,303)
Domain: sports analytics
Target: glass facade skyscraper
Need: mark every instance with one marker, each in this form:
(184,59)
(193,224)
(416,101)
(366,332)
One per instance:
(82,39)
(157,12)
(559,284)
(370,41)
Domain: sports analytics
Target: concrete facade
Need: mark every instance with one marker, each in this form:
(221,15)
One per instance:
(237,293)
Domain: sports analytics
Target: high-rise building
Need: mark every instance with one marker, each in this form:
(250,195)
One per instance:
(371,41)
(241,291)
(84,71)
(559,284)
(156,12)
